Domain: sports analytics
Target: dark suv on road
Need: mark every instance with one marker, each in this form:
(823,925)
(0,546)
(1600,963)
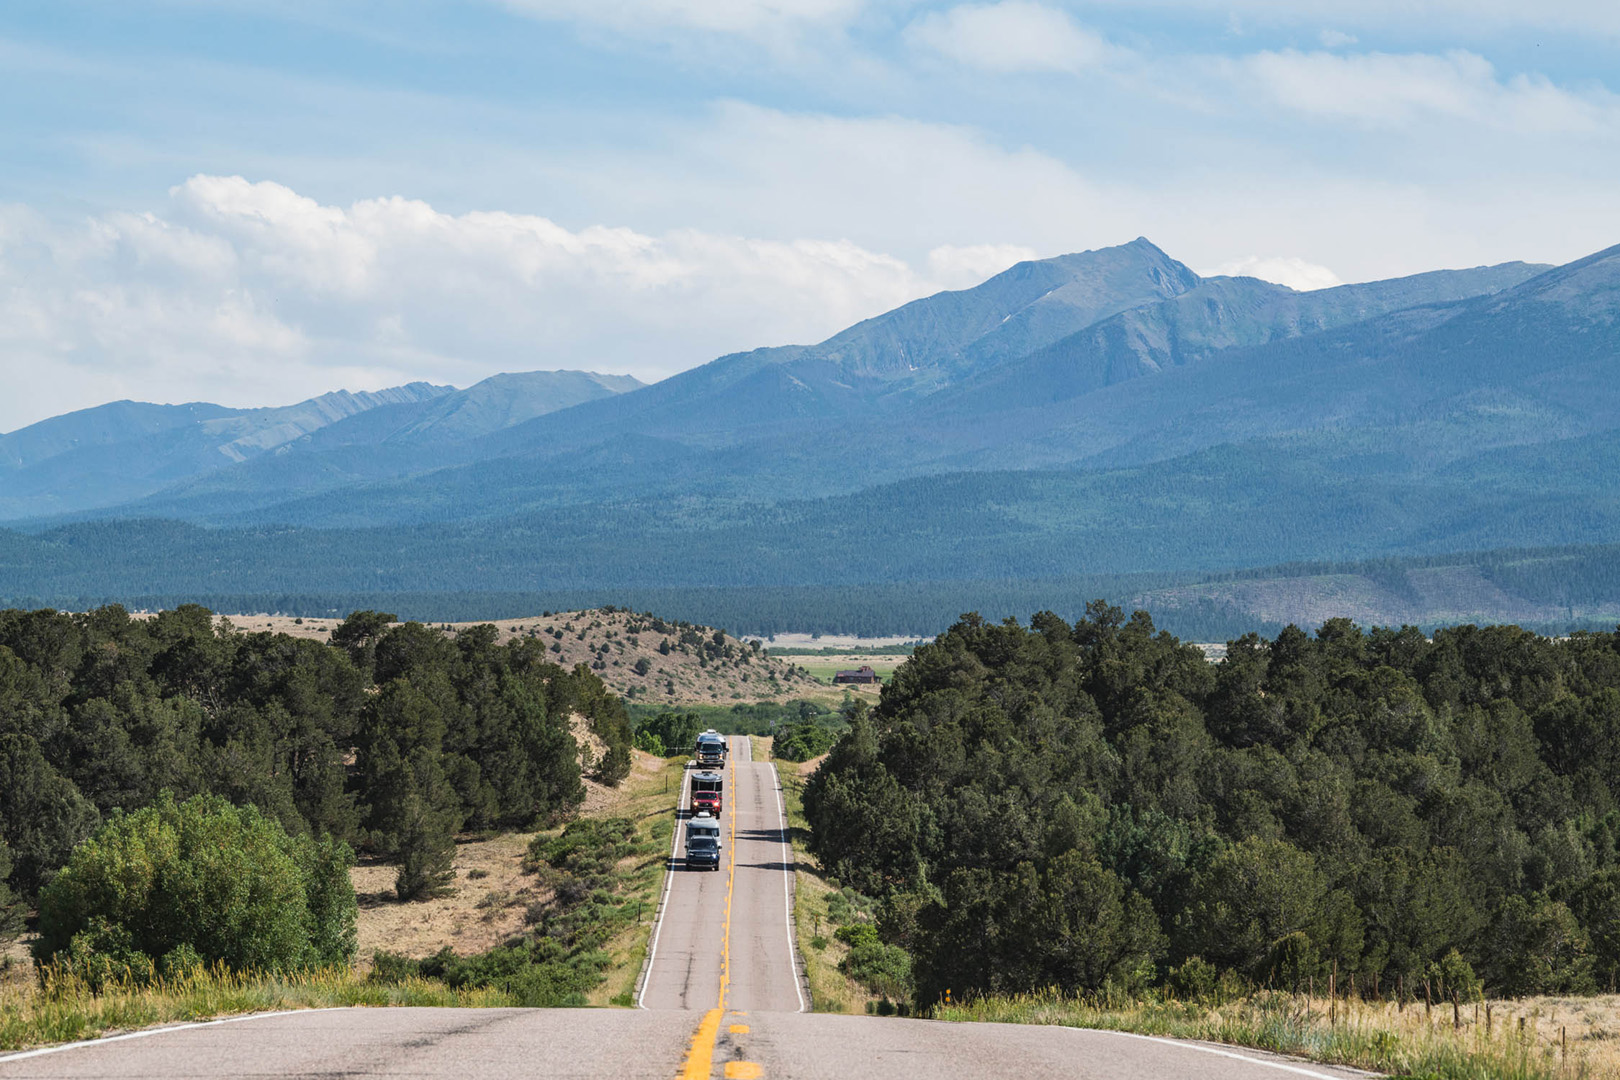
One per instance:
(703,852)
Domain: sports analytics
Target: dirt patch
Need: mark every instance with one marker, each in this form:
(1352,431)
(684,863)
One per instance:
(492,891)
(601,800)
(16,965)
(487,907)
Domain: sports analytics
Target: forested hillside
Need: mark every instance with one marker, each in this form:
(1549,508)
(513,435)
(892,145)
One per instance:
(392,737)
(1077,806)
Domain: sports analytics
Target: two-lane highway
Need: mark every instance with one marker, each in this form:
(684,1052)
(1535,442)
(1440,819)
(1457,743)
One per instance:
(721,997)
(751,897)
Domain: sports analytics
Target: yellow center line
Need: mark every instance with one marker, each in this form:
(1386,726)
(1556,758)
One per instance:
(700,1057)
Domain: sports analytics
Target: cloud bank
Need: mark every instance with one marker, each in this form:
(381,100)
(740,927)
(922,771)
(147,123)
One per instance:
(1013,35)
(252,293)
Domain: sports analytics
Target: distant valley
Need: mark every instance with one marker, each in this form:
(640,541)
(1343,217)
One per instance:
(1107,419)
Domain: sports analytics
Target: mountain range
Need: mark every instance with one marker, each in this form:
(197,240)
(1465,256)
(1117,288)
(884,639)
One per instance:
(1106,412)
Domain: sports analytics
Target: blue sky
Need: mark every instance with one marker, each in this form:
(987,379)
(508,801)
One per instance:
(253,202)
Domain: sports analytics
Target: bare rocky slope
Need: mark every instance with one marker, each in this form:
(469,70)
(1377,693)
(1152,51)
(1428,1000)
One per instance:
(684,664)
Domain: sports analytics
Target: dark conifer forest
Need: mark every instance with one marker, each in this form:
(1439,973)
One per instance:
(391,738)
(1093,805)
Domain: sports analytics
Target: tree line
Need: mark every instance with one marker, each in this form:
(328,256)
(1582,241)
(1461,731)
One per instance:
(1092,805)
(391,737)
(1583,576)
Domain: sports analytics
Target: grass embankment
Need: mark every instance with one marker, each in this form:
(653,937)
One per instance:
(65,1010)
(818,909)
(649,801)
(35,1012)
(1559,1038)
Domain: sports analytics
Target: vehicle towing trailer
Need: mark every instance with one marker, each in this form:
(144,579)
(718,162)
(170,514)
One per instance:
(707,790)
(703,844)
(711,749)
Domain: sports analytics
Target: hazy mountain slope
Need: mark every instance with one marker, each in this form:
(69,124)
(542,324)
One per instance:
(1386,396)
(1416,387)
(115,454)
(502,401)
(118,421)
(1221,313)
(1018,310)
(383,443)
(875,365)
(775,394)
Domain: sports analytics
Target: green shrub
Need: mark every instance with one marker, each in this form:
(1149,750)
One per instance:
(857,934)
(882,969)
(801,742)
(392,968)
(198,882)
(1193,980)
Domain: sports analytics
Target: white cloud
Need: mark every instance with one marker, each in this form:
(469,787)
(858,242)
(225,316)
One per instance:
(895,184)
(1013,35)
(1336,39)
(1293,272)
(963,267)
(250,293)
(1388,89)
(1601,16)
(746,17)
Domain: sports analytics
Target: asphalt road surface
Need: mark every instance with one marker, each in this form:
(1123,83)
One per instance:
(735,922)
(721,997)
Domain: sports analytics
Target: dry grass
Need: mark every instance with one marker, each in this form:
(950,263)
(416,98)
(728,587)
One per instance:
(492,890)
(602,638)
(1382,1037)
(64,1010)
(1582,1031)
(485,908)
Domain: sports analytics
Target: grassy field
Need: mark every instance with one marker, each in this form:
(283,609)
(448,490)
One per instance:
(830,989)
(823,668)
(1530,1039)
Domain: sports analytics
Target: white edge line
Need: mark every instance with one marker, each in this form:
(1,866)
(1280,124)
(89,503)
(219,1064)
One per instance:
(787,889)
(42,1051)
(663,901)
(1186,1045)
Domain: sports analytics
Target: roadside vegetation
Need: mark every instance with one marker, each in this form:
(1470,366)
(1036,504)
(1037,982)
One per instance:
(591,896)
(391,738)
(1531,1039)
(801,729)
(63,1008)
(821,907)
(1091,824)
(182,797)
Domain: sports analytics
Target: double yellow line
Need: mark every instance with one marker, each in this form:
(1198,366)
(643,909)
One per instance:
(700,1058)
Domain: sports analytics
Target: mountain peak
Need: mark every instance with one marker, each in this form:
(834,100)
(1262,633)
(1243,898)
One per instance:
(1588,288)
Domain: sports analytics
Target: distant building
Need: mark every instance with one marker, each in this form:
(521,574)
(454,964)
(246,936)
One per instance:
(862,674)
